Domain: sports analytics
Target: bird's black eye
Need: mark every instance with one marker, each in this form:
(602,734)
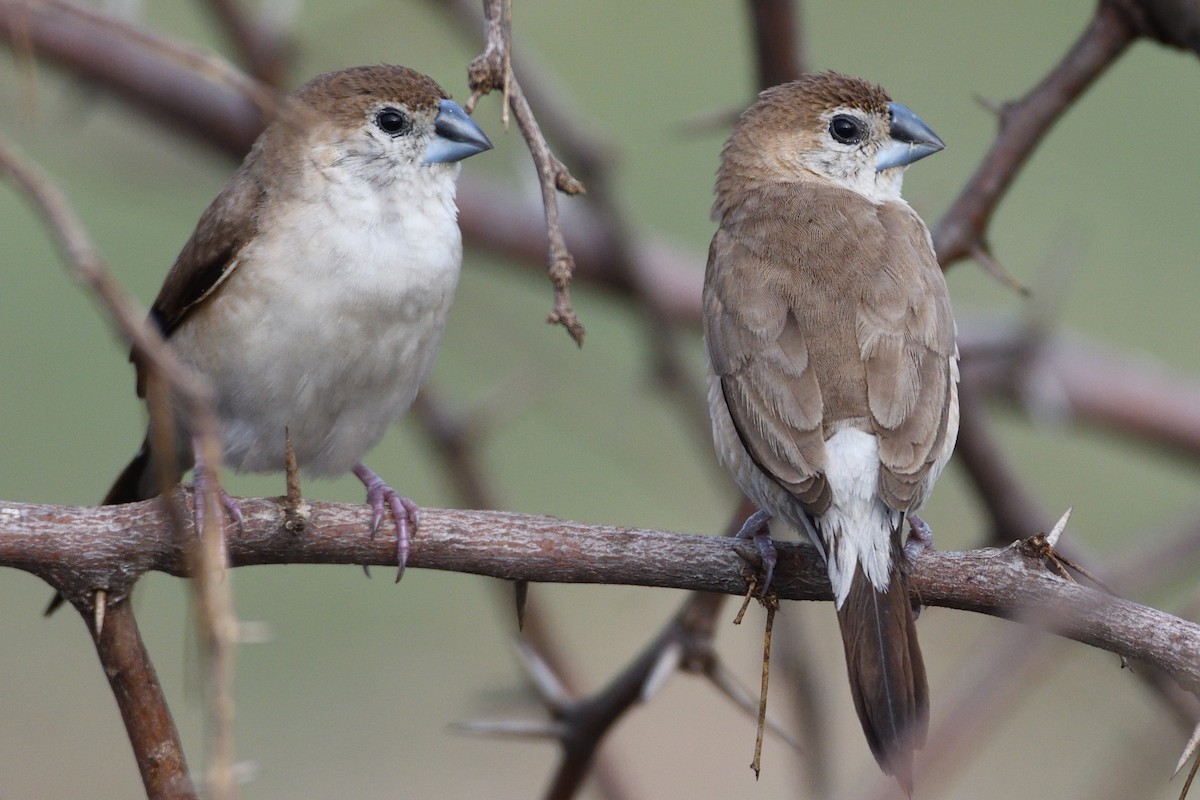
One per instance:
(847,129)
(393,122)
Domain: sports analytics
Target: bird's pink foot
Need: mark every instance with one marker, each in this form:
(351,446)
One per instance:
(757,529)
(920,537)
(199,487)
(404,511)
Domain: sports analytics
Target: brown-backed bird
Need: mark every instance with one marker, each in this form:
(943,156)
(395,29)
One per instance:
(834,369)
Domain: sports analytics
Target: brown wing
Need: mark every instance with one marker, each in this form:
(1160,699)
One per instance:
(906,336)
(824,310)
(760,352)
(209,257)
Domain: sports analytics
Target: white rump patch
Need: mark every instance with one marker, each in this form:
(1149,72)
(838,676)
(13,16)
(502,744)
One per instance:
(857,528)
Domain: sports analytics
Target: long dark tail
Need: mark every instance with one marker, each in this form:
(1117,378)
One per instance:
(887,673)
(130,484)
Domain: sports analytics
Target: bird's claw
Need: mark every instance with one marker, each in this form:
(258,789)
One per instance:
(920,537)
(233,509)
(757,529)
(405,512)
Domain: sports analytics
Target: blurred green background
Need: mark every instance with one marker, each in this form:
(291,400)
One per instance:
(355,692)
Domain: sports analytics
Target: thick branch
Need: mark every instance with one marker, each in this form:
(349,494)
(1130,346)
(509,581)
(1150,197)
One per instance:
(78,549)
(1023,124)
(777,48)
(135,686)
(162,77)
(1072,378)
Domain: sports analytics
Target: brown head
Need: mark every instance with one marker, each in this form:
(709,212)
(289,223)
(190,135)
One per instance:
(370,120)
(348,95)
(826,127)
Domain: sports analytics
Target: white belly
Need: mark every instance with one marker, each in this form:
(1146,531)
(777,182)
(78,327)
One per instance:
(331,337)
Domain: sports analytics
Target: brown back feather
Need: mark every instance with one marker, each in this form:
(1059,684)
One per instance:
(803,277)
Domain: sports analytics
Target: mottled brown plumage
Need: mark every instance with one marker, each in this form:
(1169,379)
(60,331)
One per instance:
(833,362)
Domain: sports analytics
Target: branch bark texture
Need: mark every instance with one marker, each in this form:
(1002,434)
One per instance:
(80,549)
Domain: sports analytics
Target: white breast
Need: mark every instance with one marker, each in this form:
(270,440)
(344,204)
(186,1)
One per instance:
(331,321)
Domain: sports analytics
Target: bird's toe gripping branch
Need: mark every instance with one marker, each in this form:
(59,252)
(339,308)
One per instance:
(405,512)
(757,529)
(920,537)
(200,486)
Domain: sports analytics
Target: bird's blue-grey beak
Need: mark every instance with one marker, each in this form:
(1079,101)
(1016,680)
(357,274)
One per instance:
(458,136)
(912,140)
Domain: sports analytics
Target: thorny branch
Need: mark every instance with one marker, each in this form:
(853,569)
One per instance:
(75,549)
(493,70)
(455,440)
(157,748)
(961,233)
(670,274)
(770,58)
(580,725)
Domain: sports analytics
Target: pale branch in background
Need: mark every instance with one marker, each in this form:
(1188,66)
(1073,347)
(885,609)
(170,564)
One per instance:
(962,231)
(187,87)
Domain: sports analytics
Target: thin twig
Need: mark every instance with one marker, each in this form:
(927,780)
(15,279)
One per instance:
(218,628)
(493,70)
(193,396)
(760,731)
(619,255)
